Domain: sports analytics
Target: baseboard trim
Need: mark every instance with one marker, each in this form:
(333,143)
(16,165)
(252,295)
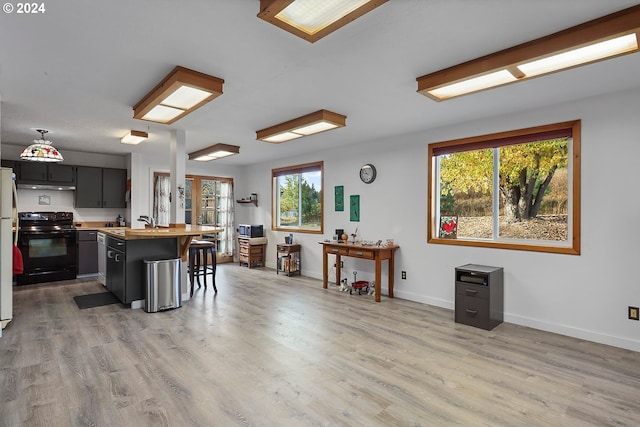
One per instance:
(529,322)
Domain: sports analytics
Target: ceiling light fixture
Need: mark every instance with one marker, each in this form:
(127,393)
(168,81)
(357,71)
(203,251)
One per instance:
(214,152)
(41,150)
(603,38)
(134,137)
(314,19)
(180,93)
(317,122)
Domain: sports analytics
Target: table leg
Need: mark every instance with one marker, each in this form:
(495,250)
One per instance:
(378,277)
(338,269)
(325,269)
(192,265)
(205,255)
(391,274)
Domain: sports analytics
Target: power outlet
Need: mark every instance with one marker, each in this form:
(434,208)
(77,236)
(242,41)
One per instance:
(634,313)
(404,275)
(341,264)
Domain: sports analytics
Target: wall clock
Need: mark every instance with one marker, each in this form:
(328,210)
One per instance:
(368,173)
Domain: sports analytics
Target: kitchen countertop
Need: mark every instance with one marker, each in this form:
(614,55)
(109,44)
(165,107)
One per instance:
(184,234)
(92,225)
(128,233)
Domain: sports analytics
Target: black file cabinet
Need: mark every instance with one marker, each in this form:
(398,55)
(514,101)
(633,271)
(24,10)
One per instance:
(479,296)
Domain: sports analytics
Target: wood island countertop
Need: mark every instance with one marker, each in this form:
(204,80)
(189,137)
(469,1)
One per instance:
(128,233)
(184,234)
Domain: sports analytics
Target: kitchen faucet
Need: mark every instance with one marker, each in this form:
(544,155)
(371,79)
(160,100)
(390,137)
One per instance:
(148,220)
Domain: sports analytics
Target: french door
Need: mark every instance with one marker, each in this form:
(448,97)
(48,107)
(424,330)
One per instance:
(209,201)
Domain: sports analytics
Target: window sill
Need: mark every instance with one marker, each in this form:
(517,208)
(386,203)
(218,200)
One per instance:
(566,250)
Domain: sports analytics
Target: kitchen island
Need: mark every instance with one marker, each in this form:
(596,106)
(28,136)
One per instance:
(127,248)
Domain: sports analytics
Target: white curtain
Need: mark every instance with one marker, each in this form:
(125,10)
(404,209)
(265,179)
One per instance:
(227,211)
(162,200)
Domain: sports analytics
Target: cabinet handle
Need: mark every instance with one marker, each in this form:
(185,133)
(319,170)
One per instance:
(117,258)
(110,254)
(359,253)
(470,291)
(471,312)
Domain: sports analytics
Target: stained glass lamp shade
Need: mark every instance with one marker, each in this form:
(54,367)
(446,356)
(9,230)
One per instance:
(41,151)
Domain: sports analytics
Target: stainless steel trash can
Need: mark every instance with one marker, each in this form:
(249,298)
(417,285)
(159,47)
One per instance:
(162,277)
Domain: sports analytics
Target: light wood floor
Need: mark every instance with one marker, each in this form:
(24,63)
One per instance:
(269,350)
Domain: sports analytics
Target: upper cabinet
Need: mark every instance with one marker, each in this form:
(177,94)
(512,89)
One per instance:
(45,173)
(100,187)
(10,164)
(114,188)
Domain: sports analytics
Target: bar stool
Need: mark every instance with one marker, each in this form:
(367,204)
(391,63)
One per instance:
(198,254)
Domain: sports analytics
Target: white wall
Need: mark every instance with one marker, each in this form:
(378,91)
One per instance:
(143,167)
(583,296)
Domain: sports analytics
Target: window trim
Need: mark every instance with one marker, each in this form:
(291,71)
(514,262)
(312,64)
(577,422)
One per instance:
(288,170)
(483,140)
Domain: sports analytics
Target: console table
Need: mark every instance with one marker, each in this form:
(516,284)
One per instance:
(375,253)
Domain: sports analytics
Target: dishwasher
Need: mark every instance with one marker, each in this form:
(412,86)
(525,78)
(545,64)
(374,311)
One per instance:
(102,259)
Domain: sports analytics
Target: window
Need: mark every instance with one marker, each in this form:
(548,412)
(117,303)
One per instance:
(297,198)
(516,190)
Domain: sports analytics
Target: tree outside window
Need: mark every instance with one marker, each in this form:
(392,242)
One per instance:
(297,198)
(510,190)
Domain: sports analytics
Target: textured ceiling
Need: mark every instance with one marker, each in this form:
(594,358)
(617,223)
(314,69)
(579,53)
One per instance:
(78,68)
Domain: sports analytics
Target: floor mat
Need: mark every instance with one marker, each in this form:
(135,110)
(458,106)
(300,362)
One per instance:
(95,300)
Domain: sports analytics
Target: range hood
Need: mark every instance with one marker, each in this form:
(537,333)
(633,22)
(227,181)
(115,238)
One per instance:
(27,186)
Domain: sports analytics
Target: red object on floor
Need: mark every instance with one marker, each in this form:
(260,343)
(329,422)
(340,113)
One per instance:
(360,284)
(18,265)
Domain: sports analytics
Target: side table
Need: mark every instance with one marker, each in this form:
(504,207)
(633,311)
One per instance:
(289,261)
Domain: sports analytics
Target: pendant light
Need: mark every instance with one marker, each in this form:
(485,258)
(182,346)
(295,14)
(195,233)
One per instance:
(41,150)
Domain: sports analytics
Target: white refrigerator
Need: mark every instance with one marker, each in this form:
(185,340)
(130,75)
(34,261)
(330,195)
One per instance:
(8,216)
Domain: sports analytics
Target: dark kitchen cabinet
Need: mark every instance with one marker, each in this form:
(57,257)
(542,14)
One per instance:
(114,188)
(116,267)
(125,264)
(10,164)
(45,173)
(89,188)
(87,252)
(100,187)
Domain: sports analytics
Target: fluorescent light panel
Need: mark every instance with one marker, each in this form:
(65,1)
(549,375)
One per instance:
(134,137)
(607,37)
(314,19)
(181,92)
(474,84)
(186,97)
(214,152)
(310,124)
(584,55)
(311,16)
(282,137)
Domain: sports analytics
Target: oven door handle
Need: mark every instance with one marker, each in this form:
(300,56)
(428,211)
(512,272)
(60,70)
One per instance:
(47,233)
